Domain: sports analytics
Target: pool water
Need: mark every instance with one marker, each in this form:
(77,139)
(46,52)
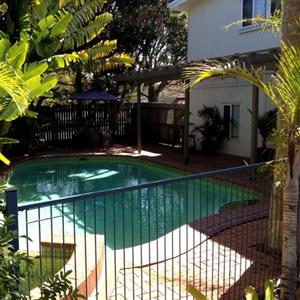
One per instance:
(126,219)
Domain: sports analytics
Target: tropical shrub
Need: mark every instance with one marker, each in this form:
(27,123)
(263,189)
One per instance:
(211,129)
(39,38)
(266,123)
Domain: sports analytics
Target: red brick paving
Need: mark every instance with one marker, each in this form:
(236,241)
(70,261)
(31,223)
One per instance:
(235,231)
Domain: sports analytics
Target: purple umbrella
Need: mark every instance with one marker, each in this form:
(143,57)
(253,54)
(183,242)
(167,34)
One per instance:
(95,95)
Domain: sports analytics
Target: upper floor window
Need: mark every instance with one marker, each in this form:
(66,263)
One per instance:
(253,8)
(263,8)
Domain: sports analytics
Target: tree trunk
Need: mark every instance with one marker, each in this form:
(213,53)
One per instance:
(275,212)
(290,35)
(289,231)
(291,15)
(151,93)
(275,222)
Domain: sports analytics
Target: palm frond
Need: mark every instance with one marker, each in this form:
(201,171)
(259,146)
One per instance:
(62,61)
(85,13)
(14,97)
(4,159)
(102,49)
(286,83)
(114,62)
(272,22)
(87,33)
(210,69)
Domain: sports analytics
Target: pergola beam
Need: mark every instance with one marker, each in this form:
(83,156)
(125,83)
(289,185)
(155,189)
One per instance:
(168,73)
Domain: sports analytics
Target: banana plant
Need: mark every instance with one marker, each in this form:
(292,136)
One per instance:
(67,31)
(51,35)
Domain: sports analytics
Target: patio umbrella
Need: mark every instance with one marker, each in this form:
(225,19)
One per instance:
(98,95)
(95,95)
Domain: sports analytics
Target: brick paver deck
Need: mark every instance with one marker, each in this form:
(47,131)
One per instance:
(220,267)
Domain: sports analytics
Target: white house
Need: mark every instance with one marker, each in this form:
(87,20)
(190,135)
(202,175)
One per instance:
(207,38)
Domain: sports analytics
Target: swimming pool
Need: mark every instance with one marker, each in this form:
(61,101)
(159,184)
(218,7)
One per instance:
(127,218)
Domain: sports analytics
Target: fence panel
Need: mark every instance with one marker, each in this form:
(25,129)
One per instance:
(162,123)
(57,125)
(209,230)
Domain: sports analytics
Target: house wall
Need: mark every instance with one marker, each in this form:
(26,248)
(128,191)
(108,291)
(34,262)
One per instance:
(228,91)
(208,39)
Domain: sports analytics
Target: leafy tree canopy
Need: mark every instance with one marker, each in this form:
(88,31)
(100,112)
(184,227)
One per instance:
(149,31)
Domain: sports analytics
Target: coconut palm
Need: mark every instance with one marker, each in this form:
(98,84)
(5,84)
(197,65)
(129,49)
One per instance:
(284,91)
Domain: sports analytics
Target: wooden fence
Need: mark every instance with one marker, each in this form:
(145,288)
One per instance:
(58,126)
(162,123)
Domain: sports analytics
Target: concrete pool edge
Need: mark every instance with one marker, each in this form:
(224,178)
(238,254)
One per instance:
(184,170)
(85,285)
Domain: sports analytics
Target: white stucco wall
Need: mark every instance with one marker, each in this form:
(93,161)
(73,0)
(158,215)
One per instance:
(229,91)
(207,37)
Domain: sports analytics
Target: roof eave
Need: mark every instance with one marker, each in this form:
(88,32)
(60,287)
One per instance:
(181,5)
(178,5)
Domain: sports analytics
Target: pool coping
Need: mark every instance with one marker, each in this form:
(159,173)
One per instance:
(184,170)
(23,159)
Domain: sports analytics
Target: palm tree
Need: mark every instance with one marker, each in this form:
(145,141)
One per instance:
(284,92)
(290,241)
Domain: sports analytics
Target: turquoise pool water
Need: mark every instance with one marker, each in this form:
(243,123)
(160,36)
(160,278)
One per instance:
(126,219)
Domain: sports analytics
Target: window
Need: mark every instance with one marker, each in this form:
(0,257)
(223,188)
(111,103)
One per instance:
(263,8)
(231,118)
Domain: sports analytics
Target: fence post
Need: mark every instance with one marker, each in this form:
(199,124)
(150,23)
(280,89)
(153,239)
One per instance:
(12,210)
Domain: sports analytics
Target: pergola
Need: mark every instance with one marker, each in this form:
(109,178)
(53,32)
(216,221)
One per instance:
(263,58)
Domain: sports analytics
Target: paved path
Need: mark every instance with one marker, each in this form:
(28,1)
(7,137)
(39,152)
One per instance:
(219,267)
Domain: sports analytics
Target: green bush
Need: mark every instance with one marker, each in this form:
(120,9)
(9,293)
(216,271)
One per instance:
(211,129)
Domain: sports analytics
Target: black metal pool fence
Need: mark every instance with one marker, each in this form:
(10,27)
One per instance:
(150,241)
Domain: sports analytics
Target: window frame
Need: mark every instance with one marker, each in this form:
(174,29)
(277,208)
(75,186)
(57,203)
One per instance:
(231,105)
